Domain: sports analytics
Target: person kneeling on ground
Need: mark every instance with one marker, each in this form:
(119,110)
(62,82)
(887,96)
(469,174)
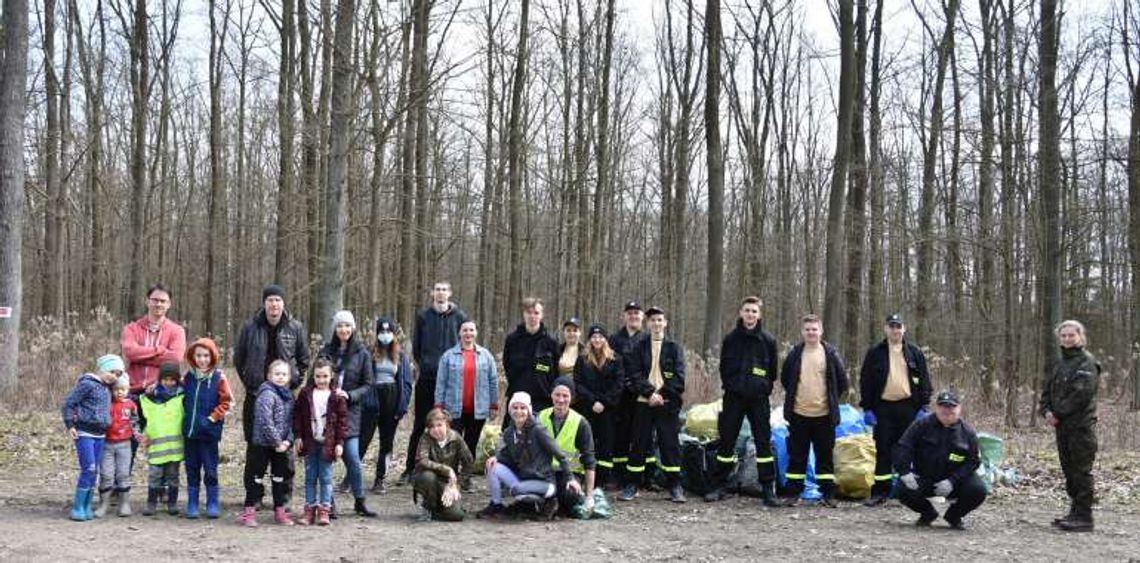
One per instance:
(938,456)
(443,460)
(522,463)
(574,436)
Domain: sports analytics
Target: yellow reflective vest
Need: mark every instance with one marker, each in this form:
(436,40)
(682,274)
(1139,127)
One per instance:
(163,430)
(566,438)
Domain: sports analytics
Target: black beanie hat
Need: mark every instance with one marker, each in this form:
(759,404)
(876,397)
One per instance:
(563,380)
(271,290)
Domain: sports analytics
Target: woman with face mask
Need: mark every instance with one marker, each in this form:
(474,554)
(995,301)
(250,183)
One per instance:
(392,385)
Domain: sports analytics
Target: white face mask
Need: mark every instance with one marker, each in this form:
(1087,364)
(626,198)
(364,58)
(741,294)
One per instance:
(385,338)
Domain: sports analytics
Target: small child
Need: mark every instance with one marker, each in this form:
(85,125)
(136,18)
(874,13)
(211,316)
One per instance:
(87,416)
(442,462)
(208,399)
(162,408)
(115,472)
(270,441)
(320,423)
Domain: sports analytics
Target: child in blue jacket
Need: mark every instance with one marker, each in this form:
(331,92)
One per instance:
(87,416)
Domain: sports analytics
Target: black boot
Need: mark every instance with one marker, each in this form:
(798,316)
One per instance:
(172,500)
(378,485)
(152,494)
(768,494)
(362,509)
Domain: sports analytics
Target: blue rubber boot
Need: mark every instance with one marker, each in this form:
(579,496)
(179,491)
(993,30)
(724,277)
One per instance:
(213,507)
(192,503)
(79,505)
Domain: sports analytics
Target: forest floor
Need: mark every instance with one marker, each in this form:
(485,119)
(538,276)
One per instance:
(37,473)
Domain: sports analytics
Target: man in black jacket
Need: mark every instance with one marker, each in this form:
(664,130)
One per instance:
(633,318)
(436,331)
(938,456)
(814,379)
(748,360)
(272,334)
(655,373)
(529,357)
(894,389)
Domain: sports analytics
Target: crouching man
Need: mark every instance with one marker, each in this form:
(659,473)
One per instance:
(938,456)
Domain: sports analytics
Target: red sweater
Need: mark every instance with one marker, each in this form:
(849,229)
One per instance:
(144,353)
(124,420)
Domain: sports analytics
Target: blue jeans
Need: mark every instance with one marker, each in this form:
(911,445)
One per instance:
(318,471)
(201,462)
(353,466)
(503,475)
(90,453)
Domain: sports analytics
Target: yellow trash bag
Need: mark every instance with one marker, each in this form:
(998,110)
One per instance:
(701,420)
(855,465)
(488,441)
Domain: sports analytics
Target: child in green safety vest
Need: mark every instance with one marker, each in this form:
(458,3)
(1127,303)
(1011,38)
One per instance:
(162,407)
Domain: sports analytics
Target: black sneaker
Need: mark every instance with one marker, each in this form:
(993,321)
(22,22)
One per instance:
(714,495)
(955,522)
(1076,525)
(677,494)
(925,520)
(493,511)
(629,492)
(875,500)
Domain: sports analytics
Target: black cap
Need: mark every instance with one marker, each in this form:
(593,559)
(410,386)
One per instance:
(596,329)
(894,319)
(572,321)
(271,290)
(947,397)
(168,369)
(384,324)
(563,380)
(654,310)
(632,306)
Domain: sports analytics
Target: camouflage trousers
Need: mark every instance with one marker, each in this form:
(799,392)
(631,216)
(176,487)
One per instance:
(1076,446)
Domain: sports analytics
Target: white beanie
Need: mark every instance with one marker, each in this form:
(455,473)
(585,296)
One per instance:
(520,397)
(344,316)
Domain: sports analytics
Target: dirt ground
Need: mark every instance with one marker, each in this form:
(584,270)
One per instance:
(37,472)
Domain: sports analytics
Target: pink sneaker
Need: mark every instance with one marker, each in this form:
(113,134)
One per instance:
(248,517)
(281,516)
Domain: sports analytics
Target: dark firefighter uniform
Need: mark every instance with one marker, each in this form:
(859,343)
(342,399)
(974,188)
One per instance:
(748,361)
(655,366)
(894,384)
(934,452)
(1069,392)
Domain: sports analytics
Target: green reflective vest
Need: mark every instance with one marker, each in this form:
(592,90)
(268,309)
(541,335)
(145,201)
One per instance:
(566,438)
(163,430)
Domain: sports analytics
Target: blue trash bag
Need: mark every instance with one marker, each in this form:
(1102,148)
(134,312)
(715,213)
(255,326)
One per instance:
(850,421)
(780,448)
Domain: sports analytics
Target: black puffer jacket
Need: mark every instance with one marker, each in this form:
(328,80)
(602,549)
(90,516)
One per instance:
(253,348)
(354,364)
(531,362)
(936,452)
(1070,391)
(594,384)
(748,362)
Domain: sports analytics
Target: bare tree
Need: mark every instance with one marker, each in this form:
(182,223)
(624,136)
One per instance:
(13,81)
(1134,214)
(1048,181)
(53,221)
(833,295)
(218,224)
(515,160)
(715,159)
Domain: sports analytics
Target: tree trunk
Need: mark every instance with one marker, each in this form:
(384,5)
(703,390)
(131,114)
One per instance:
(1048,179)
(875,285)
(13,81)
(284,255)
(833,295)
(218,224)
(715,159)
(856,214)
(1134,235)
(331,291)
(140,93)
(986,280)
(419,99)
(515,161)
(52,272)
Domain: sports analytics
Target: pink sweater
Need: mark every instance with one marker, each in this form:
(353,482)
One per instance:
(144,358)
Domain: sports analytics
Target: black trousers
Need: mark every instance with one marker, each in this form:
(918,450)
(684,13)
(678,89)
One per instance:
(602,425)
(383,421)
(424,400)
(280,466)
(731,418)
(893,418)
(806,434)
(623,432)
(646,421)
(966,496)
(1076,448)
(470,428)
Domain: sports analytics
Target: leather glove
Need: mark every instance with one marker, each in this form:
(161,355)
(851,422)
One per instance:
(869,418)
(943,488)
(910,481)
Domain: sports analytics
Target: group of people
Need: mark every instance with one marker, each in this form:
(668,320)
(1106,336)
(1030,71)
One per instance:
(584,411)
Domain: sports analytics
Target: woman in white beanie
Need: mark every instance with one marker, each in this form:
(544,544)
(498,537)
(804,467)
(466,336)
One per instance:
(522,463)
